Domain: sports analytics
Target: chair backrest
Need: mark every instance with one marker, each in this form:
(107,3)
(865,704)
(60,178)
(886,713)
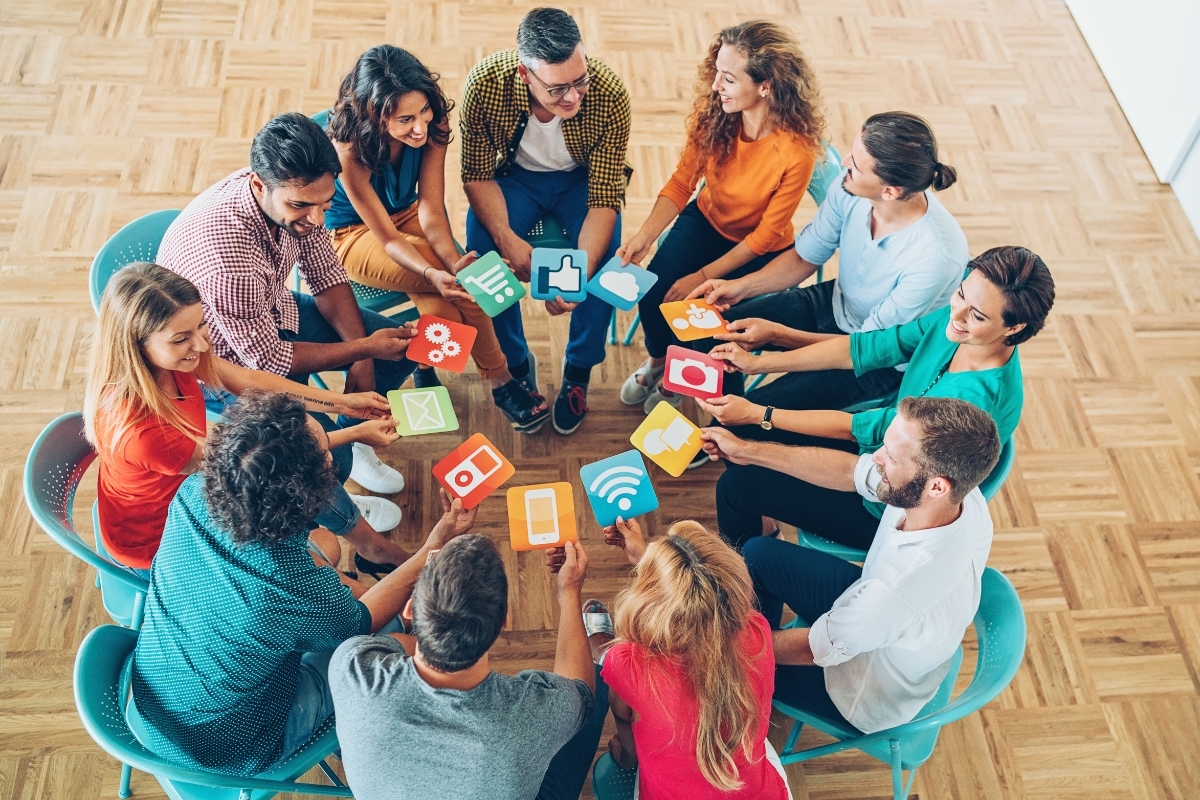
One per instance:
(610,782)
(56,463)
(824,173)
(321,117)
(999,474)
(549,232)
(137,241)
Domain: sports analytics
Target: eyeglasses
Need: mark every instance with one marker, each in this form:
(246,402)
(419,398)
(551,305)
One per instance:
(556,92)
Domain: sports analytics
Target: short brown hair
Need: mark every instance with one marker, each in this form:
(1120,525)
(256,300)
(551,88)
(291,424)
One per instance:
(1025,281)
(959,441)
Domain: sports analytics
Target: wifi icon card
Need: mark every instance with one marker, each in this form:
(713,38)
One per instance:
(619,487)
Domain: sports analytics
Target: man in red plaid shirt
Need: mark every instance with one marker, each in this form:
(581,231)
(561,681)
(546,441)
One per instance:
(238,241)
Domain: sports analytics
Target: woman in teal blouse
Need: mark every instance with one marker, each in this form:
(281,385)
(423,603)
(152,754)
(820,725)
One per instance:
(967,350)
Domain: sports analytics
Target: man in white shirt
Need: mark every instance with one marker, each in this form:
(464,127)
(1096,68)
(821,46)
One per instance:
(882,635)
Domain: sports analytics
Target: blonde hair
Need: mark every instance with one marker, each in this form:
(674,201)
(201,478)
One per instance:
(689,603)
(138,302)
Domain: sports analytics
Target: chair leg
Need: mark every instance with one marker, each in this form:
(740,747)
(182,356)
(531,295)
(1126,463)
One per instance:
(754,381)
(329,773)
(633,326)
(908,786)
(897,773)
(612,328)
(820,274)
(123,790)
(244,794)
(790,745)
(139,611)
(319,382)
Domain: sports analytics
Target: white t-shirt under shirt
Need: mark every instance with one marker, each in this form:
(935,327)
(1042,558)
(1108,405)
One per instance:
(887,642)
(543,148)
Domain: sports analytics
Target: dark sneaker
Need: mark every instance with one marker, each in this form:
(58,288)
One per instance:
(570,407)
(518,405)
(372,568)
(530,380)
(425,378)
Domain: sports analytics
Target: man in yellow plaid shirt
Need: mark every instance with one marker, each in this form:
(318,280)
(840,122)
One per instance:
(544,131)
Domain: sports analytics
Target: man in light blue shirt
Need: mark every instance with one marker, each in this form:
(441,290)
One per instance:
(902,255)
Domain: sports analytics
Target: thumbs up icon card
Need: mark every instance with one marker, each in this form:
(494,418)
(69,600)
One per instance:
(558,273)
(692,319)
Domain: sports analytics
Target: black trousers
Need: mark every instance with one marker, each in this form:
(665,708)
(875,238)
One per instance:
(691,244)
(809,582)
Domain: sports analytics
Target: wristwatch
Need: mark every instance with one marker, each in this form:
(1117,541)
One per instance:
(766,420)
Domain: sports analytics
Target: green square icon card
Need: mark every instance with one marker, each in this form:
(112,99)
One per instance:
(492,284)
(420,411)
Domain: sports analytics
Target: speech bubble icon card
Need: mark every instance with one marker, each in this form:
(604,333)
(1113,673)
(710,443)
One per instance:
(492,284)
(619,486)
(558,273)
(693,374)
(473,470)
(420,411)
(621,286)
(692,319)
(541,516)
(668,438)
(441,343)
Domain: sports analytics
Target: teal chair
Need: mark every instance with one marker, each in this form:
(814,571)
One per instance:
(610,782)
(56,463)
(99,699)
(137,241)
(1000,629)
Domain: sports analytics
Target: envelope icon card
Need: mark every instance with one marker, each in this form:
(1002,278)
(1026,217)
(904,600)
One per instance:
(692,319)
(693,373)
(541,516)
(419,411)
(492,284)
(668,438)
(441,343)
(621,286)
(558,273)
(473,470)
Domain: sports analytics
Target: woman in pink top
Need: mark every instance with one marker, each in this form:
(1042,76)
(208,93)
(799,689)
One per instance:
(691,671)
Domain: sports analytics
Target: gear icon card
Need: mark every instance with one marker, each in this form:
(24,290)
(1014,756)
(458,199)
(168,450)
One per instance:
(441,343)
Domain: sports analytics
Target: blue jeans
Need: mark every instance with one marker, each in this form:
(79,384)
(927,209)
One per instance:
(530,196)
(569,767)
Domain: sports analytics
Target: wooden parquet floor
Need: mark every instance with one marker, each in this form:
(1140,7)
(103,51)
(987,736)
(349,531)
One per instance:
(110,109)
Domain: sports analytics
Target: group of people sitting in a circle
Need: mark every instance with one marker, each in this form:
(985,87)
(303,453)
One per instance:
(252,636)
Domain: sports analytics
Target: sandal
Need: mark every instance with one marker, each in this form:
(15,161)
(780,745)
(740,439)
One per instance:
(518,403)
(597,621)
(634,392)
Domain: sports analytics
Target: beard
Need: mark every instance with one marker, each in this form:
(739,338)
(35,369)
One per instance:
(270,214)
(907,495)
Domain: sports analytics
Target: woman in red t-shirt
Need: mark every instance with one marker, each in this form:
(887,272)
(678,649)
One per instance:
(691,671)
(144,407)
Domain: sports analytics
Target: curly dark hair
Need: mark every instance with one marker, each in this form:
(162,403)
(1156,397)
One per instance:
(1026,283)
(369,95)
(772,55)
(266,477)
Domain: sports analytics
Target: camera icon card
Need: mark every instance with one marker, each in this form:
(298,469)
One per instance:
(668,438)
(618,486)
(420,411)
(492,284)
(694,374)
(558,273)
(541,516)
(441,343)
(473,470)
(692,319)
(621,286)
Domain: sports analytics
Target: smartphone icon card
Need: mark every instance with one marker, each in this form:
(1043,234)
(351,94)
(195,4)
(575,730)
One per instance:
(692,373)
(692,319)
(621,286)
(558,273)
(473,470)
(441,343)
(618,486)
(541,516)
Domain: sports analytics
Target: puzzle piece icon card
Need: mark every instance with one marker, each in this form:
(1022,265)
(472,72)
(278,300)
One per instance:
(441,343)
(668,438)
(541,516)
(692,373)
(492,284)
(618,486)
(473,470)
(621,286)
(558,273)
(420,411)
(692,319)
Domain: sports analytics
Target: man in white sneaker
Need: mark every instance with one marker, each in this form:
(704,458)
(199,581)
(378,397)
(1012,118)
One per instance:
(238,242)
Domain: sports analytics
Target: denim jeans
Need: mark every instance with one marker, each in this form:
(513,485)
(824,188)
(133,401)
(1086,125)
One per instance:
(570,766)
(530,196)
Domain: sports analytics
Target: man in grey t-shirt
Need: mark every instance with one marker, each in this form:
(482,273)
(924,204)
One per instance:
(425,717)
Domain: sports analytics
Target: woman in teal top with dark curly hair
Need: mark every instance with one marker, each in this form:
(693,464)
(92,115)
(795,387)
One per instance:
(967,350)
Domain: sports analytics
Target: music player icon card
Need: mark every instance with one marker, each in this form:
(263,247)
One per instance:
(558,273)
(541,516)
(694,374)
(441,343)
(473,470)
(619,486)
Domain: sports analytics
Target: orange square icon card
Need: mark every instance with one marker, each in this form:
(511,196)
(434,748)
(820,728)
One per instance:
(692,319)
(441,343)
(541,516)
(473,470)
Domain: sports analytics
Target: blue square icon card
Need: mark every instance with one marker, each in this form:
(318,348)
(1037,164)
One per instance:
(621,286)
(558,273)
(618,487)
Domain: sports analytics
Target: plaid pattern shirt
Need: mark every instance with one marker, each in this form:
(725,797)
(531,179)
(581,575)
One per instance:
(222,244)
(495,111)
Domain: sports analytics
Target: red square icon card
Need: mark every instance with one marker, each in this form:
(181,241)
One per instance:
(473,470)
(441,343)
(693,374)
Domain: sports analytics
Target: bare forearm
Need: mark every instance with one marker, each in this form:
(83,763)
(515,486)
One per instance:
(386,598)
(792,647)
(238,379)
(310,357)
(573,656)
(830,353)
(820,466)
(487,201)
(439,235)
(784,272)
(826,424)
(739,255)
(663,213)
(339,307)
(596,235)
(793,339)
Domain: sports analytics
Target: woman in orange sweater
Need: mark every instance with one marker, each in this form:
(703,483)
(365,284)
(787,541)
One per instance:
(753,138)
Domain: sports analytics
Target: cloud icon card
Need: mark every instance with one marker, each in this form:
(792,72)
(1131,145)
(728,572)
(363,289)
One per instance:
(621,286)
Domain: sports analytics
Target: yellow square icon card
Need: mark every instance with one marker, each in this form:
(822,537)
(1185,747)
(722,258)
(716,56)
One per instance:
(668,438)
(541,516)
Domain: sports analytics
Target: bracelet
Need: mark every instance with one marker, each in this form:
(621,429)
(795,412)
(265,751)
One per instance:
(425,274)
(703,277)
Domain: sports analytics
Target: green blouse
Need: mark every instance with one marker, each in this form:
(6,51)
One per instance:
(923,345)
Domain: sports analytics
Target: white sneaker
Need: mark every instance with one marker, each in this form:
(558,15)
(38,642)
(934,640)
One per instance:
(656,396)
(382,515)
(633,392)
(372,474)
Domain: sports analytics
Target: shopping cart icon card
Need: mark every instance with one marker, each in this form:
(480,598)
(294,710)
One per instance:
(473,470)
(420,411)
(541,516)
(492,284)
(558,273)
(441,343)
